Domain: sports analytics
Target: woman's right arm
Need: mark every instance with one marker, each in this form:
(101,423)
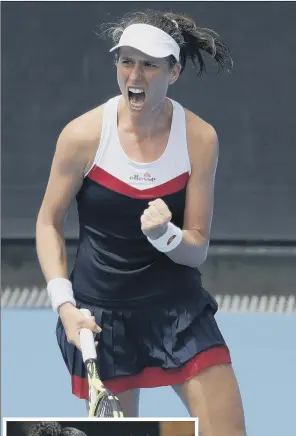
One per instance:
(73,156)
(66,177)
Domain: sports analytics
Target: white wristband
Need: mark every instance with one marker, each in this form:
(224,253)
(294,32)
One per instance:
(60,291)
(170,240)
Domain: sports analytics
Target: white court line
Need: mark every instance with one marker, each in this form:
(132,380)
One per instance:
(271,304)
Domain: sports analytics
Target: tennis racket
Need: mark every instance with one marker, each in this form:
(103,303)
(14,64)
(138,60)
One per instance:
(102,402)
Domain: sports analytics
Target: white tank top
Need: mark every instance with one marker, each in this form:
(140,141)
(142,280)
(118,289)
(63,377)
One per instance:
(112,159)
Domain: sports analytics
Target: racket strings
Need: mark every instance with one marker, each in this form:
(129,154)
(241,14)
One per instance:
(109,406)
(102,402)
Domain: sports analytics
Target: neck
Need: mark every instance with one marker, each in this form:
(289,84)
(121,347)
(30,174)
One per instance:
(145,125)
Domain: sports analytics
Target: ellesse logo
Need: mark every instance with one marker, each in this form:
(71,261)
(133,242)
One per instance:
(145,178)
(171,239)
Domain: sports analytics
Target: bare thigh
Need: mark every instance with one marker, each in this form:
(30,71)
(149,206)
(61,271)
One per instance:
(213,396)
(129,401)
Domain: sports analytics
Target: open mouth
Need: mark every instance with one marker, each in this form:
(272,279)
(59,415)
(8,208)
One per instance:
(136,97)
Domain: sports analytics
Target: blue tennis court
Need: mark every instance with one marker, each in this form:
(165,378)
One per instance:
(263,350)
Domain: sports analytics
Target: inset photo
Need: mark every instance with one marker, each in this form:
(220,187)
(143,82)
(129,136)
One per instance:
(106,427)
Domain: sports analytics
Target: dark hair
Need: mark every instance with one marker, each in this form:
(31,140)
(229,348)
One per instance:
(46,429)
(53,429)
(191,39)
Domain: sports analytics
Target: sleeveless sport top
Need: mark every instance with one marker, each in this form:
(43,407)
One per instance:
(115,264)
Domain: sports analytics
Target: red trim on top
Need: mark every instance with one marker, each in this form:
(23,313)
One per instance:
(106,179)
(156,377)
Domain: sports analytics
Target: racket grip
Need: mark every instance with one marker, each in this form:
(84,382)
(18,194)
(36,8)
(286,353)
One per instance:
(87,342)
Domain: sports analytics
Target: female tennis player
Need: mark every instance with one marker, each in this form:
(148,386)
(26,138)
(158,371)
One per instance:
(142,169)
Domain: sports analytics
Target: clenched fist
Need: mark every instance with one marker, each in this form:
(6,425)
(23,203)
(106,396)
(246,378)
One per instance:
(154,219)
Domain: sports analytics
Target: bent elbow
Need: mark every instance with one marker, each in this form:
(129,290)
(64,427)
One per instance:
(200,257)
(195,261)
(203,258)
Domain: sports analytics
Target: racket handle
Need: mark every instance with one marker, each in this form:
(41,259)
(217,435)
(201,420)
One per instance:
(87,342)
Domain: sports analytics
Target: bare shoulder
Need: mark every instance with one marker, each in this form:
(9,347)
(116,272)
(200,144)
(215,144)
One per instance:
(80,138)
(202,138)
(85,128)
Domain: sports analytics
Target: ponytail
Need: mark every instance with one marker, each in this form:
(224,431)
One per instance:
(197,40)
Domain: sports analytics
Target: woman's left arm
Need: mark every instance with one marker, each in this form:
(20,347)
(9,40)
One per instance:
(188,246)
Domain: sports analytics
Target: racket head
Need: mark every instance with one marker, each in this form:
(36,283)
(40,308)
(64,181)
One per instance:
(102,402)
(108,406)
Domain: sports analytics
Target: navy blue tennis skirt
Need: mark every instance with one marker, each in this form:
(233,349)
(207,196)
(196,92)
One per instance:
(150,346)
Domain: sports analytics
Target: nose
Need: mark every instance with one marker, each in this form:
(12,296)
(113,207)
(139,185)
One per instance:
(136,72)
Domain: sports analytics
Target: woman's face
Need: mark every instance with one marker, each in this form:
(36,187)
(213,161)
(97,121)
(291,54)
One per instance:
(143,80)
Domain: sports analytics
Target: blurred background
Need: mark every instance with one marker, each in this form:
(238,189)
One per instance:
(54,68)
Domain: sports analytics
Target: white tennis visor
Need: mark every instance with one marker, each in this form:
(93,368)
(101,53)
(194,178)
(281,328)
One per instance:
(149,40)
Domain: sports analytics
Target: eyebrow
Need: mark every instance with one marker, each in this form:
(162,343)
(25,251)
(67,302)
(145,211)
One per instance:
(129,58)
